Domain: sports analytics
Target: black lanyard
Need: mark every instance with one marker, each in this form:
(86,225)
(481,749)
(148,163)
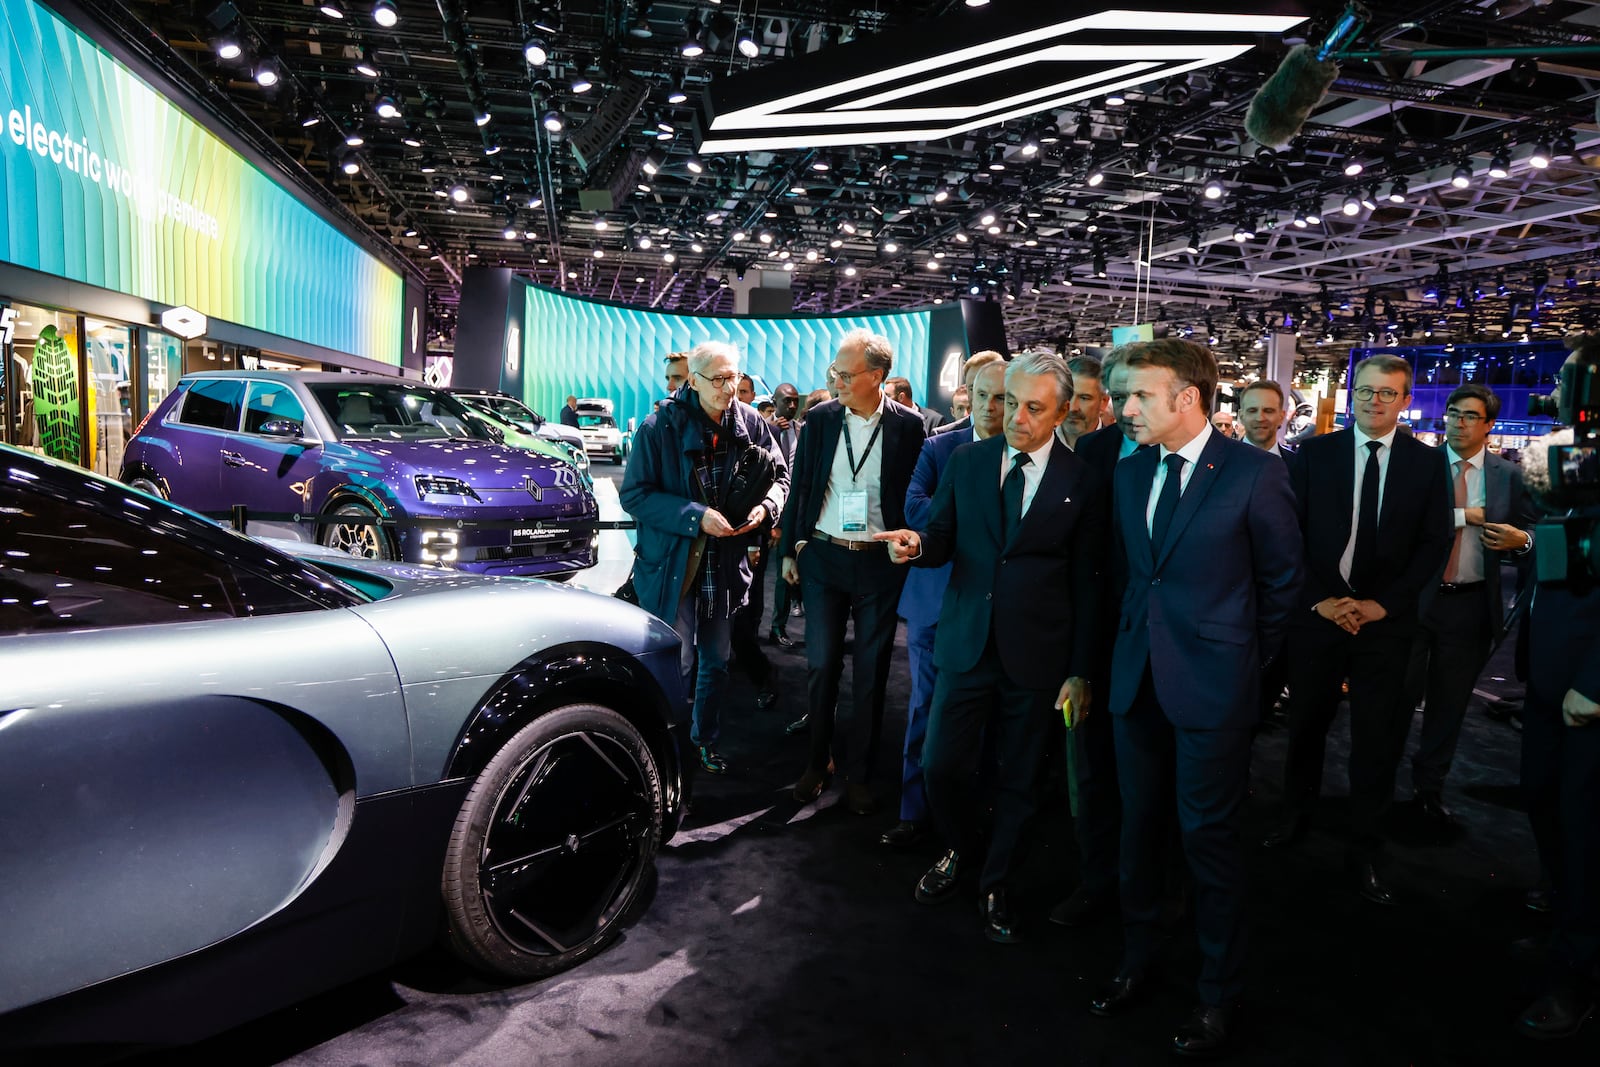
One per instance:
(850,451)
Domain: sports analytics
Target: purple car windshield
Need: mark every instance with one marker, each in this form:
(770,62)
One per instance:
(395,412)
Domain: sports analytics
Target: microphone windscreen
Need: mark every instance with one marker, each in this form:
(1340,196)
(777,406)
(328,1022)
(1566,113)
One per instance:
(1536,461)
(1284,102)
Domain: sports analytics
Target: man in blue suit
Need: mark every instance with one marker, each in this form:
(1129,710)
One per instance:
(924,593)
(1211,567)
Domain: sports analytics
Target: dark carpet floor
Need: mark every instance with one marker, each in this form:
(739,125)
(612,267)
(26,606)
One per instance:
(782,935)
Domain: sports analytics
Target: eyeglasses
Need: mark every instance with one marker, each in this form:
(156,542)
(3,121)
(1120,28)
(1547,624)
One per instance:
(1388,396)
(844,378)
(1466,418)
(721,381)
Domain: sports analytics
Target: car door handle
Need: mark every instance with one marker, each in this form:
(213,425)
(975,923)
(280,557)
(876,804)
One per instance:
(232,459)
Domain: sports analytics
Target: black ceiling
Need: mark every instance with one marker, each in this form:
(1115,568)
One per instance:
(903,225)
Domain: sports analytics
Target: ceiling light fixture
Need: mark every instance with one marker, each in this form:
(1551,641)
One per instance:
(387,108)
(1214,188)
(366,69)
(1352,206)
(332,10)
(1191,244)
(349,163)
(581,84)
(459,193)
(536,52)
(1352,165)
(1539,159)
(385,14)
(1096,176)
(268,72)
(1398,190)
(1461,177)
(676,93)
(1499,164)
(747,45)
(228,47)
(692,47)
(552,121)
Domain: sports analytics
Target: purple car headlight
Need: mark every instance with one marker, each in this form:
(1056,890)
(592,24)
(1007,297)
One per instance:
(443,485)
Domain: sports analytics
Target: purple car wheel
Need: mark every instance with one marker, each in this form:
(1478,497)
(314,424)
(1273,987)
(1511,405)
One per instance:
(359,537)
(554,843)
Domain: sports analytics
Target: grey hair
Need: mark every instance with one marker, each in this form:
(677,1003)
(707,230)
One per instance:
(874,346)
(1040,364)
(706,351)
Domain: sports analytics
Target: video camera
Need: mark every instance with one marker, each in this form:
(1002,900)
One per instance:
(1564,474)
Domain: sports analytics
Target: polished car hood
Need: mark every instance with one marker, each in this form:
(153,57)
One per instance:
(481,464)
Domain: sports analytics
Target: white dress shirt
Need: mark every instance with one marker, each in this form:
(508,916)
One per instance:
(1469,565)
(1347,560)
(870,477)
(1191,454)
(1032,474)
(1127,447)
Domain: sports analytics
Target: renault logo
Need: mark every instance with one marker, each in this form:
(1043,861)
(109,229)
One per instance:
(535,488)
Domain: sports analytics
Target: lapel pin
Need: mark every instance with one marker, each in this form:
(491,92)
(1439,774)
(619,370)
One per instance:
(1211,466)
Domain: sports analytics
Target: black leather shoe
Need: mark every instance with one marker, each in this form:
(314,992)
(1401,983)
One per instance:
(766,696)
(903,834)
(711,760)
(998,925)
(1204,1032)
(940,880)
(809,787)
(859,799)
(1111,998)
(1434,812)
(1081,907)
(798,725)
(1286,833)
(1371,886)
(1559,1013)
(781,639)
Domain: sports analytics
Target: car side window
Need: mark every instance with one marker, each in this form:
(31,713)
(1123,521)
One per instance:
(69,566)
(271,401)
(213,402)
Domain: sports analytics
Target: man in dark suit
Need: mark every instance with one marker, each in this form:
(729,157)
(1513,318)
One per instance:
(1088,400)
(1099,816)
(923,596)
(899,390)
(1374,510)
(853,463)
(1211,567)
(1262,412)
(1463,608)
(786,428)
(969,370)
(1023,523)
(569,412)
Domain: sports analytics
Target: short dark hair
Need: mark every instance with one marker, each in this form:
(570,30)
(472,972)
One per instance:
(1384,364)
(1264,383)
(1191,363)
(1087,366)
(673,357)
(897,385)
(1474,391)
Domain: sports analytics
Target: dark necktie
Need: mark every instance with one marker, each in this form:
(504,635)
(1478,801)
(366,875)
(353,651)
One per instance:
(1366,555)
(1011,494)
(1167,503)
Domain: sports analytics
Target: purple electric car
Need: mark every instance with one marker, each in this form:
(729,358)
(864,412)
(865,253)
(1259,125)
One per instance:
(378,467)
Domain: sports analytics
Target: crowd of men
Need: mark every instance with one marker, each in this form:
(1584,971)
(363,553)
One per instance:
(1094,564)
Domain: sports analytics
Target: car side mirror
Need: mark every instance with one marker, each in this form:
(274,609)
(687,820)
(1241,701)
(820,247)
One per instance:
(284,428)
(497,433)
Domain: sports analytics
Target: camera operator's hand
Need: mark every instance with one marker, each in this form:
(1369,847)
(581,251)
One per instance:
(1579,710)
(1503,537)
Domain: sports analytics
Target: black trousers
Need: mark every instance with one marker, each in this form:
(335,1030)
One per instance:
(1099,821)
(1448,653)
(1206,773)
(784,596)
(1321,656)
(968,709)
(836,586)
(1561,784)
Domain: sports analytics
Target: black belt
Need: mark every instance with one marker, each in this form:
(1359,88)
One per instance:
(845,543)
(1459,587)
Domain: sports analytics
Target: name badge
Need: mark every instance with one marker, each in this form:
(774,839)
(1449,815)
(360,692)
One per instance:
(853,505)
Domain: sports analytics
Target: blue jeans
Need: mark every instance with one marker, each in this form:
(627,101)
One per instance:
(713,640)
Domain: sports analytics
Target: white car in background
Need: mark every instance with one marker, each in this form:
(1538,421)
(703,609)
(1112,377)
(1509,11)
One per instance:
(602,438)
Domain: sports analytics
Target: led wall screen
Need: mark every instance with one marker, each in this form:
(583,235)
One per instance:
(589,349)
(107,182)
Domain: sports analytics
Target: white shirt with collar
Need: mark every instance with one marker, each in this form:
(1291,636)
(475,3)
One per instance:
(870,476)
(1469,565)
(1127,447)
(1032,474)
(1347,560)
(1191,454)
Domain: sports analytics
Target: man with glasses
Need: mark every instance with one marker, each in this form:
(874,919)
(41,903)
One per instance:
(1374,510)
(692,567)
(1462,610)
(852,467)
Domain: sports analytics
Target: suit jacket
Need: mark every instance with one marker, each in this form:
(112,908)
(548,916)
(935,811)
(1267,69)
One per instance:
(931,419)
(1038,591)
(963,423)
(787,439)
(1213,606)
(923,593)
(901,439)
(1415,523)
(569,416)
(1505,500)
(1101,449)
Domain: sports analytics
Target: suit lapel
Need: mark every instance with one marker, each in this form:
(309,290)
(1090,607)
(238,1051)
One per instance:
(1206,470)
(1135,532)
(985,486)
(1497,489)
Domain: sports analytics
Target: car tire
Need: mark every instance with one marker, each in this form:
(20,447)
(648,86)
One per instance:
(147,485)
(554,844)
(356,538)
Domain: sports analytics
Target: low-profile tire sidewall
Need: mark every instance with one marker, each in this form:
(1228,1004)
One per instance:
(472,934)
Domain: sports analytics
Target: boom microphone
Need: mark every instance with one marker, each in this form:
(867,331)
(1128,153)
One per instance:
(1284,102)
